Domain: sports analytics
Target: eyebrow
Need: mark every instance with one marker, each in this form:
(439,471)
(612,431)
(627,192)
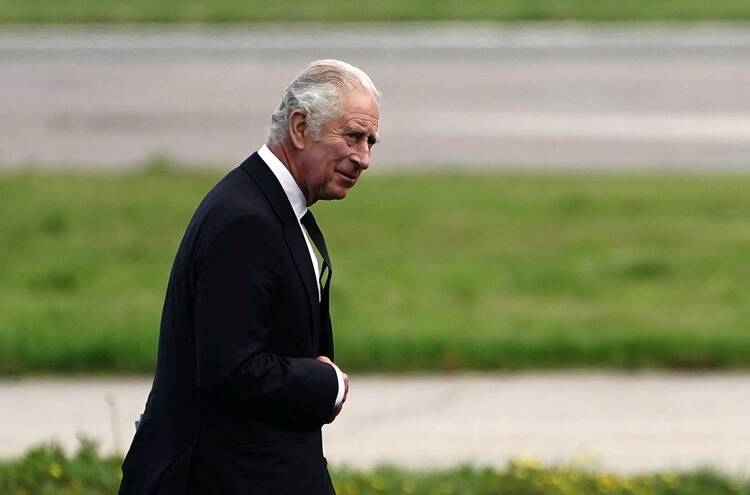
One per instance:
(372,138)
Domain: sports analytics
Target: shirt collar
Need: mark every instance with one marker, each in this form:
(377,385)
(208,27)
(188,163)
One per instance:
(291,189)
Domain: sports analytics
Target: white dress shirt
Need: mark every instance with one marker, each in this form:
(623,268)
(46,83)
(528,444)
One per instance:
(299,204)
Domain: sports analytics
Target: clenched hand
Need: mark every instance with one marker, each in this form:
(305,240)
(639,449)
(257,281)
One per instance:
(337,409)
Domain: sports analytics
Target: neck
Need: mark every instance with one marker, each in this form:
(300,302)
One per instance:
(286,156)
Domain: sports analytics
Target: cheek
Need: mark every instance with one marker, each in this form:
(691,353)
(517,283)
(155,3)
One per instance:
(322,170)
(323,173)
(335,162)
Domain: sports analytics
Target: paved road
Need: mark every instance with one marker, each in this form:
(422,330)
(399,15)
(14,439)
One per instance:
(622,422)
(482,95)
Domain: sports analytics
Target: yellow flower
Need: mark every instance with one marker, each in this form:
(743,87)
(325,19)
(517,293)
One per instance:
(55,470)
(607,482)
(408,486)
(377,483)
(527,462)
(670,479)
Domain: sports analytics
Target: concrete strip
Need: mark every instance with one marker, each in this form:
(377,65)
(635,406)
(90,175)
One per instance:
(623,422)
(378,37)
(482,95)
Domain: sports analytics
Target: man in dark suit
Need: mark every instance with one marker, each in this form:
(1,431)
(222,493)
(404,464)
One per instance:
(244,376)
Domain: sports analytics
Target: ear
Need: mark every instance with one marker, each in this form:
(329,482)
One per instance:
(298,129)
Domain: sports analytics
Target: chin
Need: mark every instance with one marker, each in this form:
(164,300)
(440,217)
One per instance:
(334,190)
(338,193)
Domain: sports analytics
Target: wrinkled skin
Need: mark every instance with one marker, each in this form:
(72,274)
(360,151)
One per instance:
(327,167)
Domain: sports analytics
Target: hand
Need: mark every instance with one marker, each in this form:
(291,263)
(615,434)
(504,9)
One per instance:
(337,409)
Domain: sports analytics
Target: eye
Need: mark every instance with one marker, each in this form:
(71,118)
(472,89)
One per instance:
(356,136)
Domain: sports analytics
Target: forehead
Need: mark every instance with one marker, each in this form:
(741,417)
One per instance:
(360,107)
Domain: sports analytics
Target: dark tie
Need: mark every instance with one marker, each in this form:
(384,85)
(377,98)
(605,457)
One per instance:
(326,333)
(308,220)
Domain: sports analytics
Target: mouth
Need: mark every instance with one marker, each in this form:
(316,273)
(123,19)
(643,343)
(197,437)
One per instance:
(348,180)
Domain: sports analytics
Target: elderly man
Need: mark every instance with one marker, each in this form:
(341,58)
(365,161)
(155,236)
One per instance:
(244,377)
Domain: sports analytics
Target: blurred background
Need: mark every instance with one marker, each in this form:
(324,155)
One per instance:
(542,282)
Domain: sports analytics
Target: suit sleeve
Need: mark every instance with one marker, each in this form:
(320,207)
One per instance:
(235,279)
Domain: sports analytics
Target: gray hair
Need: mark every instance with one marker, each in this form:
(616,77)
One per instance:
(317,91)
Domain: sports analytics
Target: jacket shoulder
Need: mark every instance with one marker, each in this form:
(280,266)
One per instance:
(235,198)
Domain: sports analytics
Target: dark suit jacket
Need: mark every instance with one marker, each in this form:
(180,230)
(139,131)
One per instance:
(238,399)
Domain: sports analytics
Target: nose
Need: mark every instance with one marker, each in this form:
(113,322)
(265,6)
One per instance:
(362,156)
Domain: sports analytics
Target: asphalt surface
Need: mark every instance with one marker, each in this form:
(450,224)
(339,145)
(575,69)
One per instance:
(544,95)
(622,422)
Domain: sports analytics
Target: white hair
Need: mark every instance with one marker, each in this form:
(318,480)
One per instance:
(317,91)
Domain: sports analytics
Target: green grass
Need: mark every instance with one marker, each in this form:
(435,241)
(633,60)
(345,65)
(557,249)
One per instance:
(47,470)
(433,271)
(213,11)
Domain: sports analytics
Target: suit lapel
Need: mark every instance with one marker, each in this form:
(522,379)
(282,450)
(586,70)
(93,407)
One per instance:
(274,193)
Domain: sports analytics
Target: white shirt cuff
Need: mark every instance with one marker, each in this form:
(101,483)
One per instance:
(342,386)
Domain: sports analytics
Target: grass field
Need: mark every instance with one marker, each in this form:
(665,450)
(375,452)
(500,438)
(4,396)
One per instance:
(433,271)
(48,471)
(212,11)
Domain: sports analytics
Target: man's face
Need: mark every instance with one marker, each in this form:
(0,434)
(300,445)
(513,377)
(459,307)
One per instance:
(331,165)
